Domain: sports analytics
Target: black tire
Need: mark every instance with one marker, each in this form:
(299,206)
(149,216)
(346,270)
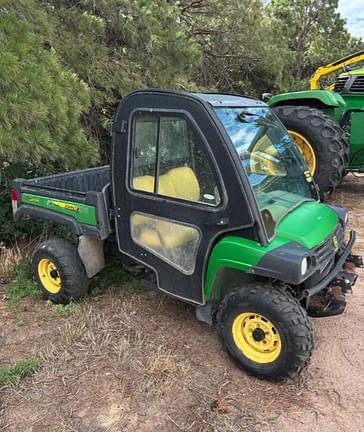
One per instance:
(346,146)
(279,309)
(326,139)
(69,275)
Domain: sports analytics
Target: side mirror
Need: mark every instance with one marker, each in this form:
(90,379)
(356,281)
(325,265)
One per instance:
(266,96)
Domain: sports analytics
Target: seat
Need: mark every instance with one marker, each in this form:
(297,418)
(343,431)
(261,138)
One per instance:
(156,233)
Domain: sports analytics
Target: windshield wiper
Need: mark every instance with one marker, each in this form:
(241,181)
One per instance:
(261,121)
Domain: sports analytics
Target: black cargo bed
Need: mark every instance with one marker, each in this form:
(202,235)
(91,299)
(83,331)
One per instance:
(90,187)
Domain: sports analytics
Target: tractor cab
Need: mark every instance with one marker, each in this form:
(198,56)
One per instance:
(200,168)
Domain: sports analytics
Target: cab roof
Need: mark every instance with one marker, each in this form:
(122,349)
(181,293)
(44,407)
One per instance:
(228,100)
(213,99)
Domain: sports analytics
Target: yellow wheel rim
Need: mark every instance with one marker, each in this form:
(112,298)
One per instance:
(256,337)
(49,276)
(305,149)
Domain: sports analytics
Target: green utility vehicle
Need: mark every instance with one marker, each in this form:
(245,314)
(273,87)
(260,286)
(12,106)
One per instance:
(208,196)
(328,125)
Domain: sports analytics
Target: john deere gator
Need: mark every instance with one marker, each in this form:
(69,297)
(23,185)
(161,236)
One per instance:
(208,200)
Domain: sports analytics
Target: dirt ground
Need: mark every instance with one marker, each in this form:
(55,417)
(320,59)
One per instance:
(144,363)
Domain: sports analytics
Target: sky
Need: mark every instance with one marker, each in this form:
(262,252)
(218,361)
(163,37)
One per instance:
(353,11)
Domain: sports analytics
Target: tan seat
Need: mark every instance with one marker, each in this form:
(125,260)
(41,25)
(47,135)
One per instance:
(156,234)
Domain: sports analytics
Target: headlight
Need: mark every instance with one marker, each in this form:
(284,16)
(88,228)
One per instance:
(303,266)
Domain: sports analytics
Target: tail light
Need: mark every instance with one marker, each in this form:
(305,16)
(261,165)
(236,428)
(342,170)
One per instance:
(14,200)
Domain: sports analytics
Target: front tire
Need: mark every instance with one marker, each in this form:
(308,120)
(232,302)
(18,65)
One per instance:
(265,331)
(59,271)
(321,143)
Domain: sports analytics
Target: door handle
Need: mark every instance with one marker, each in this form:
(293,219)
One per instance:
(219,222)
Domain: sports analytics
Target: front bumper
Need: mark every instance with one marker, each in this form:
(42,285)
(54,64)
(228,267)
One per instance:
(333,272)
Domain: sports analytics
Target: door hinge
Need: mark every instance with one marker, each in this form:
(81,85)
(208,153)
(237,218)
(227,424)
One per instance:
(120,128)
(114,213)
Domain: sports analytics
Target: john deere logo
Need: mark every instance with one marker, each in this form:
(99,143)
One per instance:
(64,205)
(334,240)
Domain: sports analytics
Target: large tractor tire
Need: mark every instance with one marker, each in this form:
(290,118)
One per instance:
(321,142)
(59,271)
(265,331)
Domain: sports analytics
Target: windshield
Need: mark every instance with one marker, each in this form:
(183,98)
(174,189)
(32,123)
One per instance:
(275,168)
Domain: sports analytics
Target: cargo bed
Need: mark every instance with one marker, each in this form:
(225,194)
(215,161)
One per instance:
(78,199)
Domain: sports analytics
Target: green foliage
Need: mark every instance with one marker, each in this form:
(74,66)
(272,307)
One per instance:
(309,34)
(40,101)
(23,284)
(114,276)
(236,57)
(20,321)
(250,48)
(11,375)
(65,310)
(116,46)
(9,231)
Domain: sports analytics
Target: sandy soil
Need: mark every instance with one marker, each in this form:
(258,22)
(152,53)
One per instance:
(143,363)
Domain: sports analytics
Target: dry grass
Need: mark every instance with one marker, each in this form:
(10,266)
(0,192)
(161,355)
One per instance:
(161,371)
(116,369)
(10,258)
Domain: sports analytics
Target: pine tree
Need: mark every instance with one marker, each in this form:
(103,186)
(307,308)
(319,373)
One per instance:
(40,101)
(116,46)
(310,33)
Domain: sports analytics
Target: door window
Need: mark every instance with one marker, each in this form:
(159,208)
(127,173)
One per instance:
(175,243)
(167,149)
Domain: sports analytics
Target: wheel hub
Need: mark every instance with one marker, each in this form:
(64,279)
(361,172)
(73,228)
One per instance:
(257,337)
(305,149)
(49,276)
(54,274)
(258,334)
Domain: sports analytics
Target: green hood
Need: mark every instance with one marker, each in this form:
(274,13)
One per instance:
(309,224)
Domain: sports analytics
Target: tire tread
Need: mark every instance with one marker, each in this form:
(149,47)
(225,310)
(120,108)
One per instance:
(286,305)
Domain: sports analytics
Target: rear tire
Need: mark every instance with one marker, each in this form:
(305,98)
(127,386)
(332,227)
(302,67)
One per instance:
(265,331)
(59,271)
(325,137)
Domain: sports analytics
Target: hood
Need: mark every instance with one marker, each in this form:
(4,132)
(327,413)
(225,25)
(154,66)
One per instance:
(308,224)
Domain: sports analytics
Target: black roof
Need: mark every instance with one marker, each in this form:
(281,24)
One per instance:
(214,99)
(222,99)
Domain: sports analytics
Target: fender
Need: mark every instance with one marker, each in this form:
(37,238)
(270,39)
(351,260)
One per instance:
(313,98)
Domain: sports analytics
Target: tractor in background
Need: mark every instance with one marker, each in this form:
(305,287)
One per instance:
(328,125)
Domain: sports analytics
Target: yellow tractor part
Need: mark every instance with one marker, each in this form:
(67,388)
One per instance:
(265,159)
(332,67)
(256,337)
(305,149)
(49,276)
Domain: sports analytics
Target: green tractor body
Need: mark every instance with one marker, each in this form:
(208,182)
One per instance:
(343,103)
(335,105)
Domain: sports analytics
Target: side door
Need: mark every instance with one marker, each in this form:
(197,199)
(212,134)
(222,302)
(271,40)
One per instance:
(172,198)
